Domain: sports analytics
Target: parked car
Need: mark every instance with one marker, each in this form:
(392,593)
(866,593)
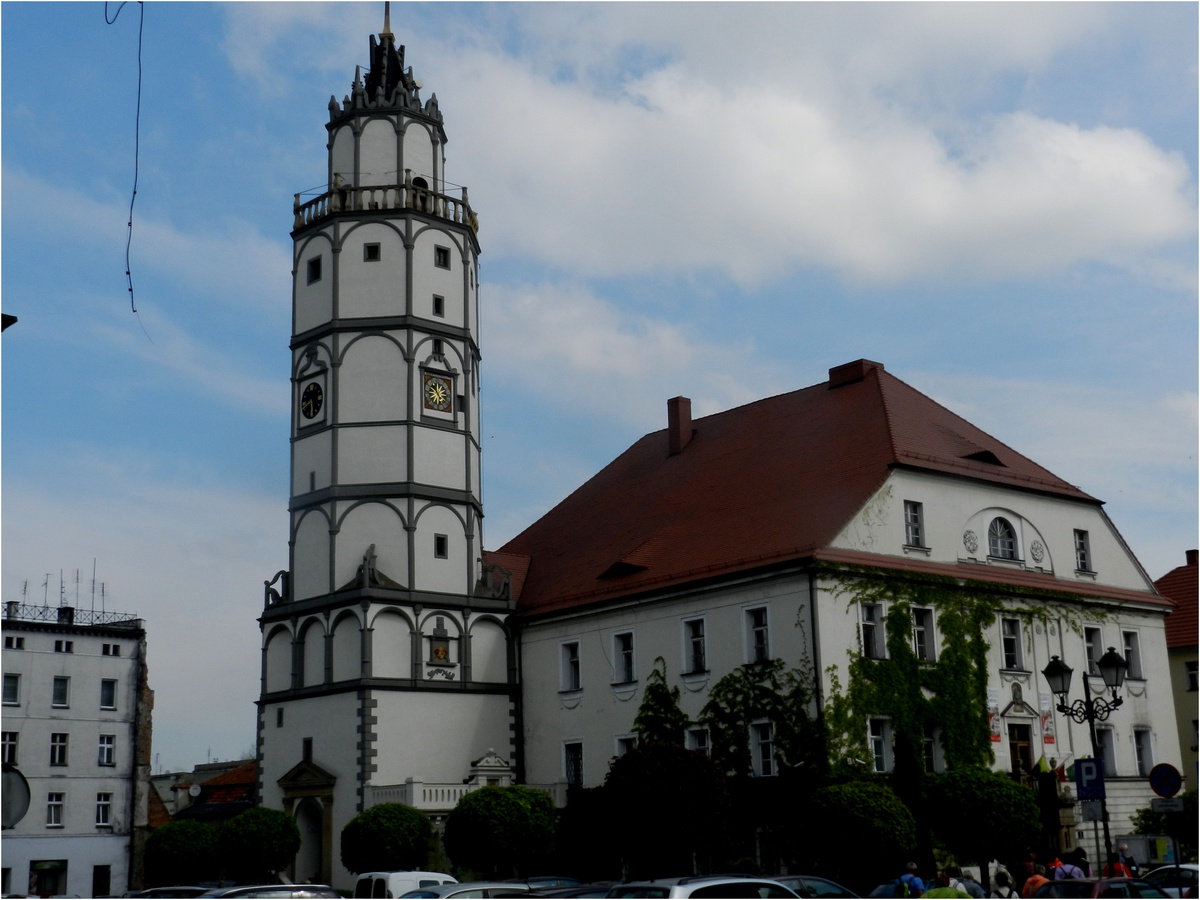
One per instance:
(812,886)
(547,881)
(1100,887)
(274,890)
(396,884)
(579,890)
(1175,880)
(724,886)
(473,889)
(179,890)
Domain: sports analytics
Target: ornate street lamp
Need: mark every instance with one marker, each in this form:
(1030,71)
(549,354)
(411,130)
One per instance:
(1090,709)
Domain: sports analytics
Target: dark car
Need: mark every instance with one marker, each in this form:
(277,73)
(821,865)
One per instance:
(812,886)
(179,890)
(1100,887)
(275,890)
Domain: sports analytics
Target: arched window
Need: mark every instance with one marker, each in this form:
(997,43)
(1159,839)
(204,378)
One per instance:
(1002,539)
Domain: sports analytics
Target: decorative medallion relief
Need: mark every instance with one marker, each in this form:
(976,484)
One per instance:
(1038,551)
(970,541)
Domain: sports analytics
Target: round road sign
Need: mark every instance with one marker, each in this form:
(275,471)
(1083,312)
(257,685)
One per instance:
(1165,780)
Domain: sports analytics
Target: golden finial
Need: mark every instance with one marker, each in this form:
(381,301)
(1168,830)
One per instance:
(386,34)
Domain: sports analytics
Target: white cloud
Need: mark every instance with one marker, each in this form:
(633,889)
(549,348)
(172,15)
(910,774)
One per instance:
(560,341)
(189,559)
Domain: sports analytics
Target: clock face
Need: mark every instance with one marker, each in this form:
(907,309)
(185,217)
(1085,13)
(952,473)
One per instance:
(436,393)
(311,400)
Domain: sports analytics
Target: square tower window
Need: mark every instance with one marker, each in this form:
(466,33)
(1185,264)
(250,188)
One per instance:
(439,306)
(314,270)
(371,253)
(441,257)
(441,546)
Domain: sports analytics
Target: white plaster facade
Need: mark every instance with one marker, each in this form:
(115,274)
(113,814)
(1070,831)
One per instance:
(76,723)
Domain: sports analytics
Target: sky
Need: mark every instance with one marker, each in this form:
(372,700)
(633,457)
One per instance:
(721,201)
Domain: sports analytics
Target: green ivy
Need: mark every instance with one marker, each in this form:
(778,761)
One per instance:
(659,718)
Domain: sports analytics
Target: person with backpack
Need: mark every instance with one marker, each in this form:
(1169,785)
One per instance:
(909,884)
(1035,881)
(1003,889)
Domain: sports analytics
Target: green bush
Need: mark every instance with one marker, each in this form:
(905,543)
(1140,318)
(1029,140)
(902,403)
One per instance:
(385,838)
(183,852)
(501,831)
(862,834)
(258,843)
(980,815)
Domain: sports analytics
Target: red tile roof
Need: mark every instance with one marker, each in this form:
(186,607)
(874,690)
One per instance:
(771,482)
(1179,585)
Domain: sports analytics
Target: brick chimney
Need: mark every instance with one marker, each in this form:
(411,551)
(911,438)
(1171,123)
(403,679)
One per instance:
(850,372)
(679,424)
(1192,557)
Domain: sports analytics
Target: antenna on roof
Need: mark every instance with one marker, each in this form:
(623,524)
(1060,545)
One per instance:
(386,34)
(25,590)
(46,590)
(93,584)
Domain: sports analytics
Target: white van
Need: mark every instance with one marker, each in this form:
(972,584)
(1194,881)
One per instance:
(394,884)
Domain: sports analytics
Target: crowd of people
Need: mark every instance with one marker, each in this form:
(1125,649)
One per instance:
(1022,881)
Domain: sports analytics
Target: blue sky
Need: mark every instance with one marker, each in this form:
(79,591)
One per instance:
(996,201)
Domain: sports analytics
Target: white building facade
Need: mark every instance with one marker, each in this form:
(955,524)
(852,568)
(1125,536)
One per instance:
(386,661)
(76,727)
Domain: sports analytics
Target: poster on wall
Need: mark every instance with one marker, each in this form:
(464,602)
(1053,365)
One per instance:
(1046,704)
(993,702)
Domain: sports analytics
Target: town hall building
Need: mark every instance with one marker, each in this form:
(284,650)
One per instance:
(403,661)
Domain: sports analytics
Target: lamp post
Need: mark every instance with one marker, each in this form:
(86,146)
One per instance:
(1090,709)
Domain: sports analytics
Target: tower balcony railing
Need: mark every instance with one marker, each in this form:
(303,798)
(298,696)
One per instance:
(407,195)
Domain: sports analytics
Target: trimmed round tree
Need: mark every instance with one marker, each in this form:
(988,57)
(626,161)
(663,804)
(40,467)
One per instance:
(258,843)
(181,852)
(671,805)
(501,831)
(981,815)
(861,834)
(386,838)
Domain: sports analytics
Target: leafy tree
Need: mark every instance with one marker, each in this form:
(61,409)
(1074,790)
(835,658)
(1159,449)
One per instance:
(671,803)
(258,843)
(1180,825)
(862,833)
(980,815)
(762,692)
(501,830)
(659,719)
(182,852)
(386,837)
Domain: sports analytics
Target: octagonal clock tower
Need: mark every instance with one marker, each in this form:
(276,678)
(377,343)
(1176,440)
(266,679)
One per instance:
(387,664)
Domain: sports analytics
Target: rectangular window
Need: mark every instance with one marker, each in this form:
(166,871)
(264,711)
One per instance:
(1093,649)
(570,666)
(697,739)
(58,748)
(573,764)
(111,650)
(314,270)
(1190,674)
(60,697)
(1142,751)
(1020,748)
(441,546)
(924,642)
(759,648)
(8,747)
(441,257)
(1108,750)
(931,746)
(1011,643)
(104,810)
(101,881)
(108,693)
(108,750)
(880,738)
(623,658)
(914,525)
(371,253)
(1133,654)
(12,642)
(12,690)
(1083,555)
(872,631)
(64,646)
(55,800)
(439,306)
(764,749)
(624,743)
(693,636)
(279,717)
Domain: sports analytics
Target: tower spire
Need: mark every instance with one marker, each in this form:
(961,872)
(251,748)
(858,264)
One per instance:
(386,34)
